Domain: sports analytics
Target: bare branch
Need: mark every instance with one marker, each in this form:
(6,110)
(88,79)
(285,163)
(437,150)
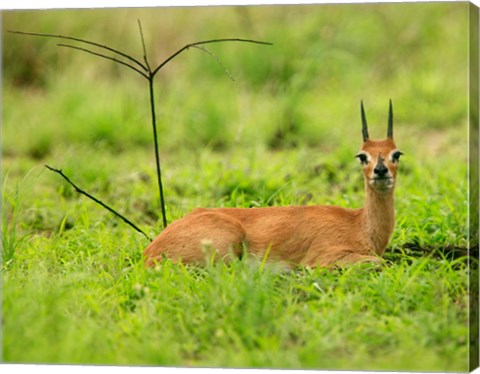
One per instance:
(104,56)
(205,42)
(216,58)
(83,41)
(147,73)
(127,221)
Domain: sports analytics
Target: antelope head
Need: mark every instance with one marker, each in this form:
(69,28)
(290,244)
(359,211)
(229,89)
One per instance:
(379,158)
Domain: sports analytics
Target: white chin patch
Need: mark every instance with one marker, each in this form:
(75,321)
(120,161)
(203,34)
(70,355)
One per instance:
(383,184)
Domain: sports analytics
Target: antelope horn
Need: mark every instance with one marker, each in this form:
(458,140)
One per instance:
(364,122)
(390,121)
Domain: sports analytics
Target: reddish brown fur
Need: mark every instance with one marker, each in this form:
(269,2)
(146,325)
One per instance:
(305,235)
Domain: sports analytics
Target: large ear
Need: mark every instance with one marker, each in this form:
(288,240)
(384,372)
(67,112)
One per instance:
(364,122)
(390,121)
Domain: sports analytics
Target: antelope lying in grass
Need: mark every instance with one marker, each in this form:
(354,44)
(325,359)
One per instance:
(296,235)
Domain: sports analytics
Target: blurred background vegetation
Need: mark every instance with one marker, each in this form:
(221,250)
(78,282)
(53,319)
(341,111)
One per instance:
(304,90)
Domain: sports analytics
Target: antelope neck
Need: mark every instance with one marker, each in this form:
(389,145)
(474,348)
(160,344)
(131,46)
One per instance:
(379,218)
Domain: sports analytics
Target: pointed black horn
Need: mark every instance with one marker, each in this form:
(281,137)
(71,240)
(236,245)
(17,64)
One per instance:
(364,122)
(390,121)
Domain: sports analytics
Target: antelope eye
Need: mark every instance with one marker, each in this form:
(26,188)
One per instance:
(396,156)
(363,158)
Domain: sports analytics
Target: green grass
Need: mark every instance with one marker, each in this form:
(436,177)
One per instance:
(117,312)
(74,286)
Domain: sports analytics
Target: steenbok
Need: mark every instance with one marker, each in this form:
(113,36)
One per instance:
(295,235)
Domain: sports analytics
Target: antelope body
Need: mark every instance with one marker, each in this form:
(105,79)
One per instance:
(295,235)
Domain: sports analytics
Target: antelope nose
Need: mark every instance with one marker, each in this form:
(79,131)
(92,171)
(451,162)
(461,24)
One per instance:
(381,170)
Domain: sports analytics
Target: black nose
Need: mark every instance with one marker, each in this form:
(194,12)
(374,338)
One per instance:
(381,170)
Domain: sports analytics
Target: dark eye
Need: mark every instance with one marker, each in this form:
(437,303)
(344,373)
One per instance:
(396,156)
(363,158)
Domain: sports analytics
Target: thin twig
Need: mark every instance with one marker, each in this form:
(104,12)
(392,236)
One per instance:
(127,221)
(143,45)
(104,56)
(205,42)
(216,58)
(82,41)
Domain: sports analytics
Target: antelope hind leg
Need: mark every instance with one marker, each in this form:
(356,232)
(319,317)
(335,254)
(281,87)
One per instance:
(197,237)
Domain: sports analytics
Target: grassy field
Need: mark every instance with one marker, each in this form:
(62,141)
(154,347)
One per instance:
(285,132)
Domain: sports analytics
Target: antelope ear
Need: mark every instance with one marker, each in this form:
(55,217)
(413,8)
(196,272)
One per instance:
(364,122)
(390,121)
